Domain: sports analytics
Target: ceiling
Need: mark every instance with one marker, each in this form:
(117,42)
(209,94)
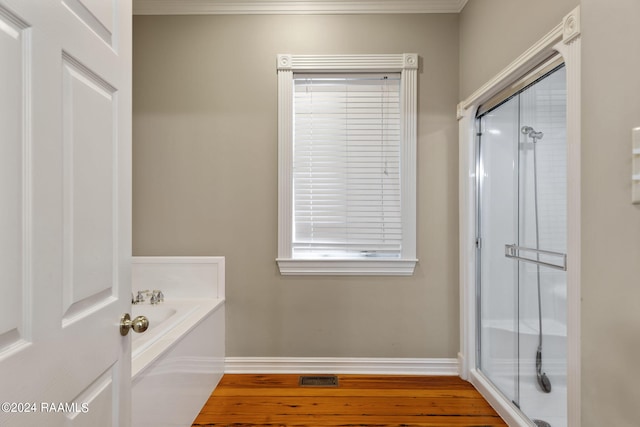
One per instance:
(267,7)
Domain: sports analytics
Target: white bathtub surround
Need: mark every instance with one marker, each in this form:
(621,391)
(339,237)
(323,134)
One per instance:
(182,317)
(180,277)
(179,360)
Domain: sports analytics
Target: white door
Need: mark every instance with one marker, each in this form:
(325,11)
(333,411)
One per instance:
(65,212)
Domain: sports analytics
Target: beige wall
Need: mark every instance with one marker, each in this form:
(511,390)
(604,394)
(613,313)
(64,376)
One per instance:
(205,179)
(610,223)
(493,33)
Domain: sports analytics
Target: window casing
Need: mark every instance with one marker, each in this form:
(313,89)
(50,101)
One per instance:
(347,164)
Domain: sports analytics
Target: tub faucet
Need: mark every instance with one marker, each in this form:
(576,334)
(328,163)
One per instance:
(156,297)
(140,297)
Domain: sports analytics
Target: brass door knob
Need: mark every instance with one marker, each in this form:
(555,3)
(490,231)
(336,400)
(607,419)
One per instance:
(139,324)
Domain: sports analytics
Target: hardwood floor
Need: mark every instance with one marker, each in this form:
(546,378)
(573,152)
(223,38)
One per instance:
(358,400)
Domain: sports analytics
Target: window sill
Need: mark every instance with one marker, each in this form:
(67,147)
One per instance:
(346,267)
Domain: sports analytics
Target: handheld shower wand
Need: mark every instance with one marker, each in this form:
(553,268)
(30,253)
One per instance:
(543,380)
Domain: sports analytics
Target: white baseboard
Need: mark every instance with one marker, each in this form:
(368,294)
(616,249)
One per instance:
(340,365)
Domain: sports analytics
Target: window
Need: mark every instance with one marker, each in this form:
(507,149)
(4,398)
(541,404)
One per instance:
(346,166)
(347,143)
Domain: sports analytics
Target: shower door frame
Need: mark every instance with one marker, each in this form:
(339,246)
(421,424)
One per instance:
(564,39)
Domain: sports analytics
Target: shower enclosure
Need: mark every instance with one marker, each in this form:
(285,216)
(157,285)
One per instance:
(522,244)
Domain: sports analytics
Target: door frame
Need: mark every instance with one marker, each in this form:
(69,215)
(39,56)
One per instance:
(564,39)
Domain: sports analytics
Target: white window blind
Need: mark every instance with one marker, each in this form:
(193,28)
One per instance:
(346,166)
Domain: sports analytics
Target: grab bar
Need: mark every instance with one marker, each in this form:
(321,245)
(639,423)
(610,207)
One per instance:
(513,251)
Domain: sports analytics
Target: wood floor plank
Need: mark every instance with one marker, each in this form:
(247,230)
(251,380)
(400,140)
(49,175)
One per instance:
(354,405)
(339,392)
(358,400)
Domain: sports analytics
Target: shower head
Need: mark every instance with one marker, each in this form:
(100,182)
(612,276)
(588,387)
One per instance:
(531,132)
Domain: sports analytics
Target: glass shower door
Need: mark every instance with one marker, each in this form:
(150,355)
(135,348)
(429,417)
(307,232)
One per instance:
(521,249)
(497,225)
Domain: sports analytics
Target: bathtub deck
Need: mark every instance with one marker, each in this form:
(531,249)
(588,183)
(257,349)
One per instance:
(362,400)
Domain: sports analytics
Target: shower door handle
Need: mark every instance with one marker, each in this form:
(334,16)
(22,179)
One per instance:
(544,258)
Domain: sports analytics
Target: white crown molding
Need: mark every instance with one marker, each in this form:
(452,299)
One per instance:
(340,365)
(293,7)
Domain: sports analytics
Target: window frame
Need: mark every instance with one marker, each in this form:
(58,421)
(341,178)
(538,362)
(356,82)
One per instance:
(407,65)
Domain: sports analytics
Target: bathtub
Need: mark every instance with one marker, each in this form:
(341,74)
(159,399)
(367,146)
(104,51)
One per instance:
(169,322)
(550,407)
(179,360)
